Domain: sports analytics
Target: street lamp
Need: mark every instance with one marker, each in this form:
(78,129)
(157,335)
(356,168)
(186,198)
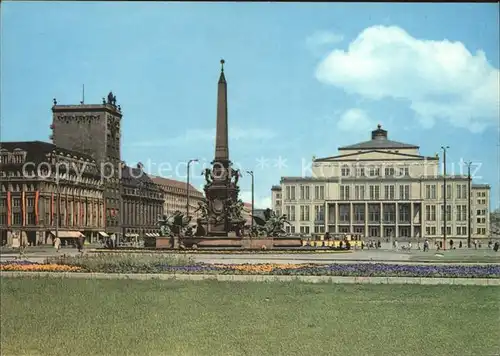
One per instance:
(445,211)
(187,185)
(251,174)
(469,205)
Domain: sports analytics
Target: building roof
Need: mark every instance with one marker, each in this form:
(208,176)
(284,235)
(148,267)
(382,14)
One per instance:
(134,176)
(172,183)
(276,187)
(379,141)
(36,151)
(480,186)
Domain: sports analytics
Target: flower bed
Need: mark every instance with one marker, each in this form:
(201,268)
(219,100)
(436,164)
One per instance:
(27,266)
(156,265)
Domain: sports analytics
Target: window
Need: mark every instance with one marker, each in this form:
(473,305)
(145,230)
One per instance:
(389,192)
(292,192)
(307,213)
(448,191)
(345,171)
(404,171)
(430,191)
(428,230)
(30,201)
(316,192)
(16,202)
(319,212)
(461,213)
(344,192)
(389,213)
(359,213)
(374,192)
(481,231)
(448,212)
(404,213)
(359,192)
(344,213)
(374,172)
(304,230)
(360,172)
(292,213)
(389,171)
(319,229)
(481,220)
(322,192)
(374,213)
(31,219)
(308,192)
(302,192)
(448,230)
(428,213)
(287,192)
(404,192)
(16,219)
(433,213)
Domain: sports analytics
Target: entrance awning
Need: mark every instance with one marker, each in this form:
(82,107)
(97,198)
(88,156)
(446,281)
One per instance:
(103,234)
(67,234)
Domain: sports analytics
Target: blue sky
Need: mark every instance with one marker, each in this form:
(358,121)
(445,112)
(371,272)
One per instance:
(303,79)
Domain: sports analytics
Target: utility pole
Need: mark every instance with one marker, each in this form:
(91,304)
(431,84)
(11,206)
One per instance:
(187,185)
(469,205)
(253,197)
(445,210)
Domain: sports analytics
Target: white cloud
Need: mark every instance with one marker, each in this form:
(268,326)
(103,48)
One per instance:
(441,80)
(355,120)
(320,39)
(197,135)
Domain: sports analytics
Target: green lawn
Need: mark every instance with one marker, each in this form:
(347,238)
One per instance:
(112,317)
(457,256)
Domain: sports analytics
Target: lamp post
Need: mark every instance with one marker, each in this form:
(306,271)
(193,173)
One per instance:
(187,185)
(469,205)
(251,174)
(445,211)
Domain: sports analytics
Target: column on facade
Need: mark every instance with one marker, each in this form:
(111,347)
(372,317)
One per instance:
(381,219)
(337,217)
(412,226)
(351,217)
(397,221)
(366,219)
(326,212)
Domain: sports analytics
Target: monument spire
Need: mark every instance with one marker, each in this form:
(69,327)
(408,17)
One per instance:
(221,133)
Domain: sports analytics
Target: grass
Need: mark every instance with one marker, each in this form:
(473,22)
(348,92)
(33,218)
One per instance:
(118,317)
(459,256)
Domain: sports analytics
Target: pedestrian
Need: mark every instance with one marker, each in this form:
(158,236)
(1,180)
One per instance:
(57,243)
(113,241)
(475,244)
(426,245)
(460,244)
(79,243)
(451,244)
(496,246)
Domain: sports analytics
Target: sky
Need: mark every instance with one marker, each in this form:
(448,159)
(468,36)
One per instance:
(303,79)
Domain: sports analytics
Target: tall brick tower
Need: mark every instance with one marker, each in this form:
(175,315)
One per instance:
(94,129)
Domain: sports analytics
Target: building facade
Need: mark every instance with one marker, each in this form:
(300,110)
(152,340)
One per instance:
(44,186)
(142,202)
(175,197)
(95,130)
(382,189)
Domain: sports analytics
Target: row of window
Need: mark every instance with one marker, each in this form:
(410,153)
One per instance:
(461,191)
(374,192)
(460,213)
(460,230)
(347,171)
(305,192)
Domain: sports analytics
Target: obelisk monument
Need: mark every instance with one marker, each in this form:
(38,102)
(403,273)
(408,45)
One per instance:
(221,192)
